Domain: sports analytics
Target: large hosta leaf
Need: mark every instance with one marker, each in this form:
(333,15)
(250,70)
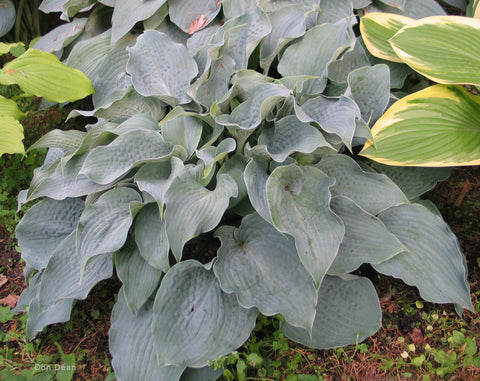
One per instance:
(435,127)
(161,67)
(348,311)
(193,209)
(42,74)
(45,226)
(11,136)
(194,320)
(373,192)
(440,48)
(299,199)
(433,261)
(262,268)
(192,15)
(133,347)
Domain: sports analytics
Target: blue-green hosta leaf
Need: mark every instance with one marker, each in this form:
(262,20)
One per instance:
(192,15)
(413,181)
(139,279)
(7,17)
(45,226)
(39,319)
(366,240)
(291,135)
(211,154)
(30,293)
(287,23)
(256,177)
(151,237)
(194,321)
(369,87)
(433,261)
(9,107)
(184,131)
(400,4)
(261,266)
(299,198)
(234,8)
(304,58)
(348,311)
(373,192)
(201,374)
(334,115)
(62,276)
(156,178)
(66,140)
(127,13)
(193,209)
(249,114)
(61,36)
(235,167)
(338,70)
(107,163)
(336,10)
(72,7)
(133,347)
(412,8)
(104,225)
(160,67)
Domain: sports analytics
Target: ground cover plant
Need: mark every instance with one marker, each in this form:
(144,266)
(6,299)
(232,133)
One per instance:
(259,126)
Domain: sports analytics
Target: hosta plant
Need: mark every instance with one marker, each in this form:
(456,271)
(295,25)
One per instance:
(236,123)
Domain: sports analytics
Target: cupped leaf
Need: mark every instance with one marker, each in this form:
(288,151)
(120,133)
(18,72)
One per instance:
(434,127)
(377,29)
(45,226)
(348,311)
(299,199)
(262,268)
(11,135)
(339,69)
(7,16)
(133,346)
(42,74)
(440,48)
(433,261)
(184,131)
(193,209)
(192,15)
(194,321)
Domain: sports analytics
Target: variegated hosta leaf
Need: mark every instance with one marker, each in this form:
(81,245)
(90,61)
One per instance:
(299,198)
(193,209)
(127,13)
(291,135)
(139,279)
(63,277)
(160,67)
(104,225)
(151,237)
(304,58)
(440,48)
(435,127)
(373,192)
(133,346)
(184,131)
(348,311)
(194,321)
(61,36)
(45,226)
(369,87)
(433,261)
(192,15)
(262,268)
(107,163)
(334,115)
(366,239)
(11,136)
(256,177)
(377,29)
(7,17)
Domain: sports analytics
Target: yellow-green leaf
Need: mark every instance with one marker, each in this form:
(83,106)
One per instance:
(435,127)
(5,48)
(11,135)
(377,28)
(445,49)
(42,74)
(9,108)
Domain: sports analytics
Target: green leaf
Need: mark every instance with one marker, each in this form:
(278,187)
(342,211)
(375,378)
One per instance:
(7,47)
(9,108)
(61,36)
(193,209)
(194,320)
(299,198)
(433,261)
(262,268)
(11,136)
(348,311)
(42,74)
(193,15)
(7,17)
(133,347)
(45,226)
(160,67)
(440,48)
(449,133)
